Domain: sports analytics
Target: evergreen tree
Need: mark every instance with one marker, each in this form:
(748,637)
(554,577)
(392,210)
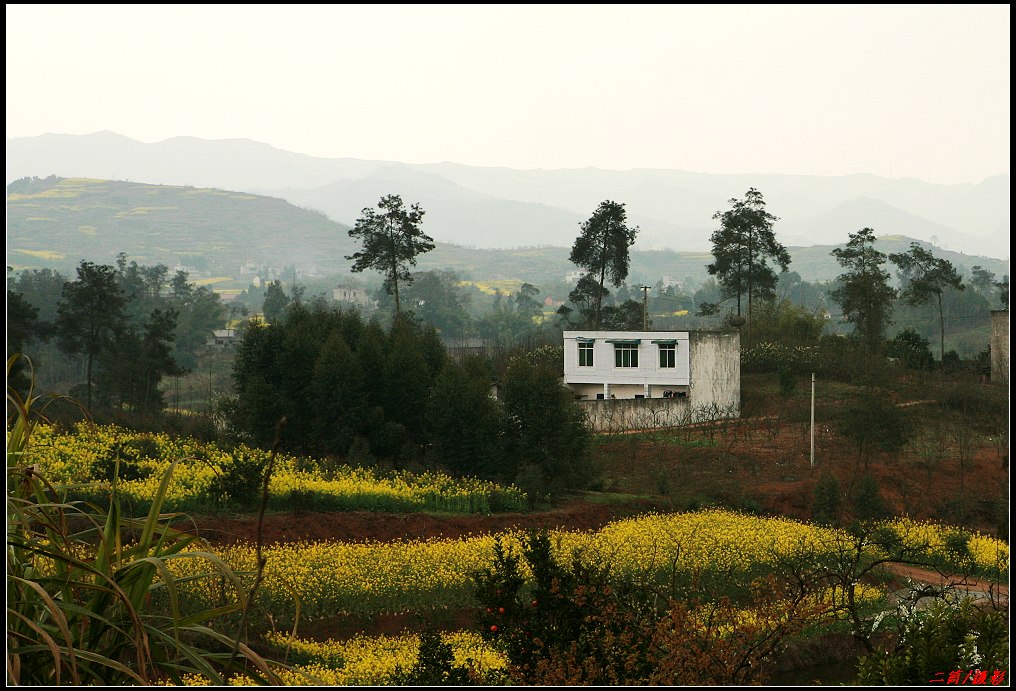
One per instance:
(925,277)
(275,302)
(546,440)
(463,423)
(602,249)
(89,315)
(863,290)
(391,241)
(826,510)
(742,249)
(336,395)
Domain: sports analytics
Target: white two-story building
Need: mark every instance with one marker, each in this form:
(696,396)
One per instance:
(695,369)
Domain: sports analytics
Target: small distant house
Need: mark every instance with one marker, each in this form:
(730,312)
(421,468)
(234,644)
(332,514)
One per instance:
(355,296)
(221,338)
(458,348)
(640,379)
(574,275)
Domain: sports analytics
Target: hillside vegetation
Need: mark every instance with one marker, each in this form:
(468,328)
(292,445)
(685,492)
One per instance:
(57,222)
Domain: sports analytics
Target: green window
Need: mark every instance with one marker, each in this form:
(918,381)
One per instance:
(585,354)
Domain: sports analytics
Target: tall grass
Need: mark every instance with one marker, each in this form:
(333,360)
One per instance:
(91,597)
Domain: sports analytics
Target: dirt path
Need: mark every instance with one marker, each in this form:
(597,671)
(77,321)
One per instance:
(968,583)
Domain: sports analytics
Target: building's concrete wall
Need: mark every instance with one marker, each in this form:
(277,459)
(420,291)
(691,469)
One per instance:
(714,391)
(716,370)
(1000,346)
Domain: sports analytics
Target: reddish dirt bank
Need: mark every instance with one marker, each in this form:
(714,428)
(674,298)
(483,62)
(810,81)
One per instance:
(355,526)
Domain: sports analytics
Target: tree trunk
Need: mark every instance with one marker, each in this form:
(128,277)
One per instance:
(599,295)
(88,383)
(941,324)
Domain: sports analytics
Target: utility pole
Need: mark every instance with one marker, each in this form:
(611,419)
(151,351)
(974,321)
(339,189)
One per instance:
(645,307)
(812,419)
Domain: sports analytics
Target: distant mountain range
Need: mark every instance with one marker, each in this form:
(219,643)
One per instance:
(505,208)
(57,222)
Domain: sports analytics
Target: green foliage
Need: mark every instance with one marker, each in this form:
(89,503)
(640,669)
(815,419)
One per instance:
(863,290)
(826,509)
(435,664)
(122,460)
(391,241)
(510,321)
(143,329)
(951,361)
(786,323)
(275,302)
(132,366)
(336,379)
(463,423)
(942,639)
(199,311)
(910,349)
(869,504)
(625,316)
(787,382)
(240,482)
(584,300)
(544,428)
(872,421)
(602,249)
(436,298)
(23,328)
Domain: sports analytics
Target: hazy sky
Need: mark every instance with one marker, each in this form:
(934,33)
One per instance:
(915,90)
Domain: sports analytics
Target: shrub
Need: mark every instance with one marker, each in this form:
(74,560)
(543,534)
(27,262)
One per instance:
(940,640)
(826,509)
(570,625)
(911,350)
(869,505)
(240,482)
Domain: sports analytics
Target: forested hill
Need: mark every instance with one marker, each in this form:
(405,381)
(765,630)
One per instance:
(57,222)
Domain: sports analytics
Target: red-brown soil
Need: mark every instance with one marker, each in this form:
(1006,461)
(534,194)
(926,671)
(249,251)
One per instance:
(360,526)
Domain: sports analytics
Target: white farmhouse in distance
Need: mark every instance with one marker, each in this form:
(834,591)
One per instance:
(356,296)
(640,379)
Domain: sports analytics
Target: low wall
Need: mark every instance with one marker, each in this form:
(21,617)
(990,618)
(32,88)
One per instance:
(626,414)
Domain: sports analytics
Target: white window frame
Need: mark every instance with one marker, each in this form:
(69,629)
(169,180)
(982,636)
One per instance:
(621,350)
(585,349)
(668,355)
